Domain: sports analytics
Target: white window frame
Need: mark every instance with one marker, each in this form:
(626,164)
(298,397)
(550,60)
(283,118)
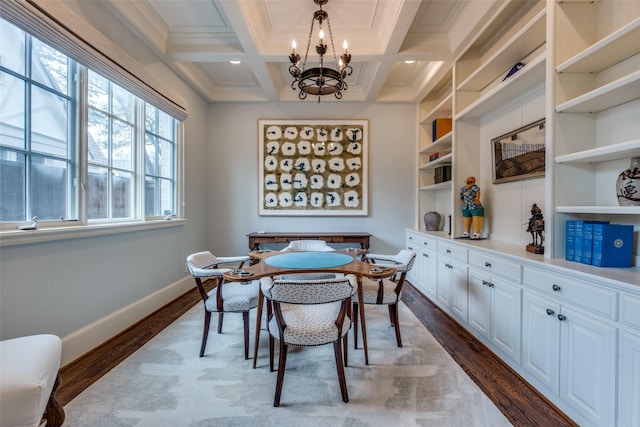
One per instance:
(26,15)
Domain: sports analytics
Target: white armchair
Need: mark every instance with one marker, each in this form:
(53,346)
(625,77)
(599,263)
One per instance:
(28,381)
(308,246)
(238,297)
(385,291)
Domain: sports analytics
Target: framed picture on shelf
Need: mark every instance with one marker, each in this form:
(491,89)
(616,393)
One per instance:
(313,167)
(519,154)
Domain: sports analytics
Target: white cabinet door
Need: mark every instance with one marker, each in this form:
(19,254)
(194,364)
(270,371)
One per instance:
(541,339)
(494,312)
(459,291)
(480,304)
(445,279)
(506,312)
(629,403)
(588,366)
(429,273)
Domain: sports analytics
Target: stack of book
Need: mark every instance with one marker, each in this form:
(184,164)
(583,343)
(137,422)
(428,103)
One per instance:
(599,243)
(442,174)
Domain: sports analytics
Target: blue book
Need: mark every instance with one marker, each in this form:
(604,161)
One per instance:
(587,240)
(577,242)
(612,245)
(570,235)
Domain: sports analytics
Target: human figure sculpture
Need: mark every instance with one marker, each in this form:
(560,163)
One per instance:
(472,210)
(536,226)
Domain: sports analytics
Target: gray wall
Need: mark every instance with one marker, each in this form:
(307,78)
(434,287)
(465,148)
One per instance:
(233,179)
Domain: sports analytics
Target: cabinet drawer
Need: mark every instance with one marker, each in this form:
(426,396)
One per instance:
(598,300)
(412,241)
(507,269)
(630,311)
(429,243)
(452,251)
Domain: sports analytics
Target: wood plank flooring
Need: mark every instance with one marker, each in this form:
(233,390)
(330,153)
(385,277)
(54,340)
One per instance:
(519,402)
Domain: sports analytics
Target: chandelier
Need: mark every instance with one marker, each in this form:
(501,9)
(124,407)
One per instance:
(320,80)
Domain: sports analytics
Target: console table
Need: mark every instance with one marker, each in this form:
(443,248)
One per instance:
(256,239)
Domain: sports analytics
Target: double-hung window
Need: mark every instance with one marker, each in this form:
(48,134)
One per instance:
(75,147)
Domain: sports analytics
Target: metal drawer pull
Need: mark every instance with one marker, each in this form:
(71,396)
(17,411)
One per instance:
(562,317)
(550,312)
(448,265)
(487,264)
(556,287)
(448,251)
(425,255)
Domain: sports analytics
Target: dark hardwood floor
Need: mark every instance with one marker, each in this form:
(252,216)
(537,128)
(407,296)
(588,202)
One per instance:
(519,402)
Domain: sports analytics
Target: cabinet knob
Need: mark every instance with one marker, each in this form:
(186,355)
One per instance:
(484,282)
(425,255)
(448,265)
(562,317)
(550,312)
(410,247)
(487,264)
(556,287)
(448,251)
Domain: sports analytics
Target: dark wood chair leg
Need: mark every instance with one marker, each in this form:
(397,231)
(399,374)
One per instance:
(282,361)
(205,332)
(355,325)
(271,353)
(337,349)
(345,349)
(393,313)
(245,319)
(54,412)
(220,318)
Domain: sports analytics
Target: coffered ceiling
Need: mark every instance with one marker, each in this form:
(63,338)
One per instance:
(199,38)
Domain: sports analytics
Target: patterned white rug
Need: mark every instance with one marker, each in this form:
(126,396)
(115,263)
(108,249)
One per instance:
(165,383)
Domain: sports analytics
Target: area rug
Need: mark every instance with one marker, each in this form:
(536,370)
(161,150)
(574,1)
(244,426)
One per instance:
(165,383)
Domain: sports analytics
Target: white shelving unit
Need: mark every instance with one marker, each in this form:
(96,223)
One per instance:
(438,103)
(597,95)
(582,74)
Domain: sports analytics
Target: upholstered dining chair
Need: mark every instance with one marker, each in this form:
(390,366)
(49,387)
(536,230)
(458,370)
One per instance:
(308,246)
(385,291)
(225,297)
(309,313)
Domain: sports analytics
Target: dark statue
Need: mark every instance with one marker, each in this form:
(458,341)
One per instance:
(536,228)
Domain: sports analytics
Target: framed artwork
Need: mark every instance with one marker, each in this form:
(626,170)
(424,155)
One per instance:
(519,154)
(313,167)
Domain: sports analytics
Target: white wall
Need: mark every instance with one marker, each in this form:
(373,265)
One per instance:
(233,178)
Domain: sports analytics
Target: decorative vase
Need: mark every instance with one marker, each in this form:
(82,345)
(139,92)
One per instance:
(432,221)
(628,184)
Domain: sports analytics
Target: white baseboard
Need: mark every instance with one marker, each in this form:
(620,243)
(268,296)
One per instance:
(91,336)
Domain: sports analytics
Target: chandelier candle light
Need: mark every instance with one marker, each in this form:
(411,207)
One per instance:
(320,80)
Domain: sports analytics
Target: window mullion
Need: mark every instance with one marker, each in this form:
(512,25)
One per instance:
(83,145)
(139,160)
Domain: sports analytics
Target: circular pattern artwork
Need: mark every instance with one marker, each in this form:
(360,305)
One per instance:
(313,167)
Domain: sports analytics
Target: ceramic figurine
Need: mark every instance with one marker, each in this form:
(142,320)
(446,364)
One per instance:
(472,210)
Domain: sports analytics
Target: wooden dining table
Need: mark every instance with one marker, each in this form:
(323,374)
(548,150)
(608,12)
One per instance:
(276,263)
